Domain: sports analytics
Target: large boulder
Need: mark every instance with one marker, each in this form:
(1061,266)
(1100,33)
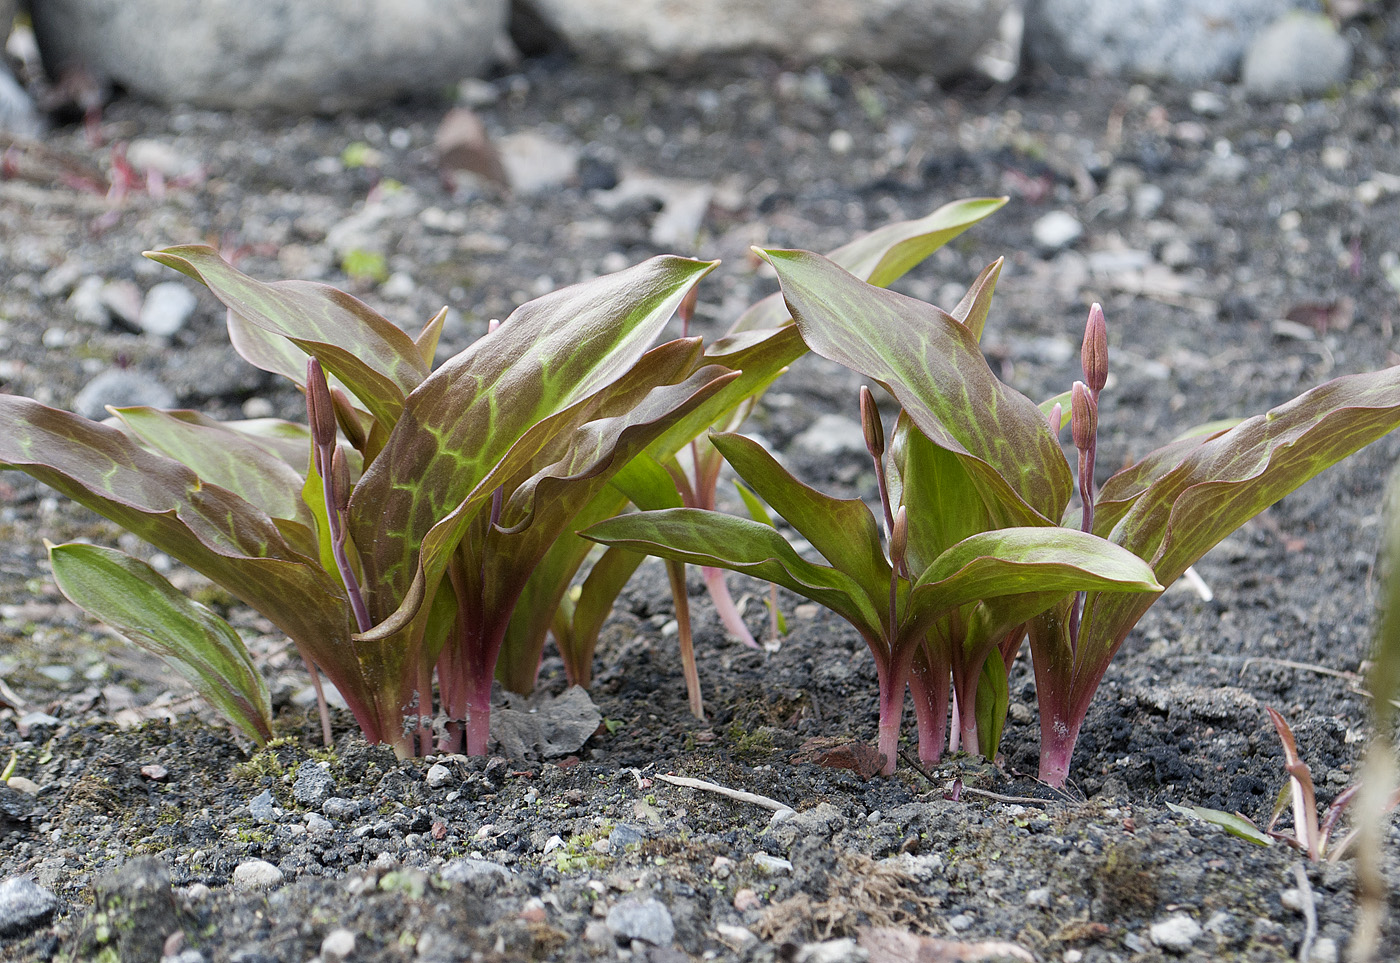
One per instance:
(1185,41)
(323,55)
(937,36)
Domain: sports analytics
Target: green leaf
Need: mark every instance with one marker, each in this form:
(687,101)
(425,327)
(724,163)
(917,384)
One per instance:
(993,699)
(207,527)
(842,530)
(886,254)
(377,361)
(1025,561)
(224,458)
(459,424)
(753,504)
(701,537)
(145,609)
(973,308)
(932,365)
(1230,477)
(1232,823)
(941,500)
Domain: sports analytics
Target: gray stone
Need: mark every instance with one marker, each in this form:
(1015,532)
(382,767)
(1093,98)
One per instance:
(338,944)
(844,950)
(1186,41)
(140,907)
(624,835)
(438,776)
(169,305)
(256,874)
(470,871)
(553,727)
(938,36)
(313,785)
(87,304)
(318,825)
(536,164)
(832,435)
(262,808)
(647,920)
(1176,933)
(298,55)
(24,904)
(338,807)
(771,865)
(121,387)
(1056,231)
(1300,55)
(18,115)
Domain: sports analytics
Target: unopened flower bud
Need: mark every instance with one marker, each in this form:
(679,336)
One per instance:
(1083,417)
(870,423)
(686,310)
(320,410)
(340,479)
(899,538)
(1094,354)
(1056,419)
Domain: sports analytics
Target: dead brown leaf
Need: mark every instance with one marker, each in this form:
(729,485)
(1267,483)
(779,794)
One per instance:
(859,757)
(462,144)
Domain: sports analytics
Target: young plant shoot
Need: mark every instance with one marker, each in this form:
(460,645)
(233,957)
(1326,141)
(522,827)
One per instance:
(400,539)
(993,447)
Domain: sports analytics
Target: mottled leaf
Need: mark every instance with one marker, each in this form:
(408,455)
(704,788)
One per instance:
(145,609)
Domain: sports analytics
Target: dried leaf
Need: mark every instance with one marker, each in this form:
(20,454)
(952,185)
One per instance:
(462,144)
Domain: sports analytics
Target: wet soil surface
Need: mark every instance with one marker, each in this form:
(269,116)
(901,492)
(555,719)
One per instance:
(1243,253)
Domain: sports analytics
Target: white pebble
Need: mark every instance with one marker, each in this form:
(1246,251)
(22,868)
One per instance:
(1175,933)
(338,944)
(438,776)
(1056,231)
(256,874)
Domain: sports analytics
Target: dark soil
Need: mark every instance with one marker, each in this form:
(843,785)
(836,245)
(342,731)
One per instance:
(1243,253)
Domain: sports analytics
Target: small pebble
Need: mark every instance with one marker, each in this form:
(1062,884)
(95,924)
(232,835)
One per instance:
(313,785)
(745,900)
(1175,933)
(553,843)
(24,904)
(338,944)
(738,937)
(169,305)
(771,865)
(20,784)
(1039,897)
(1325,950)
(647,920)
(338,808)
(155,772)
(256,874)
(262,807)
(533,911)
(318,825)
(438,776)
(1056,231)
(961,922)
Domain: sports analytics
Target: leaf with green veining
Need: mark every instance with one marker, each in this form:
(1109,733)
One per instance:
(144,608)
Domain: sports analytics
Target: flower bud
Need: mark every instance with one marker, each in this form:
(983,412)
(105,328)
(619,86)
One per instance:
(1056,419)
(686,310)
(870,423)
(320,410)
(899,538)
(340,480)
(1083,417)
(1094,354)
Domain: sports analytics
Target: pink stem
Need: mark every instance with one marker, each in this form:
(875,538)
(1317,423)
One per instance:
(894,677)
(929,686)
(728,612)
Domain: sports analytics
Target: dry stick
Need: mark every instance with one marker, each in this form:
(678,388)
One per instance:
(676,572)
(736,794)
(1305,894)
(1301,666)
(984,793)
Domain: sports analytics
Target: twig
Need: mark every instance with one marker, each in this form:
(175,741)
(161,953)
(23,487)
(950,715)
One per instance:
(984,793)
(9,697)
(1309,907)
(736,794)
(1301,666)
(1198,584)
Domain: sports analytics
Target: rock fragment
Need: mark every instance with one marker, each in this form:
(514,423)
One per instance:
(647,920)
(24,904)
